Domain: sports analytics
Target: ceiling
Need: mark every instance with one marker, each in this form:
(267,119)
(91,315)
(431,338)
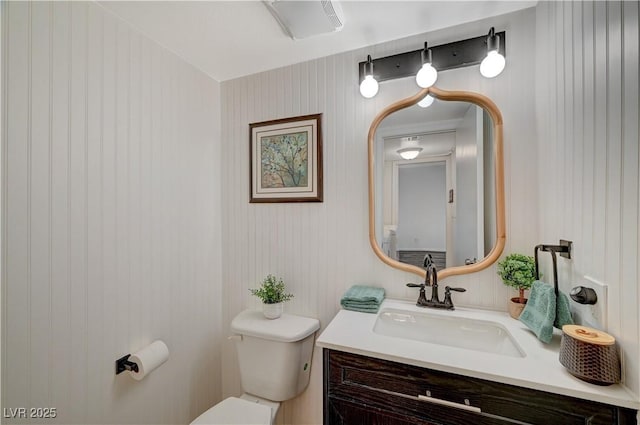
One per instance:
(437,122)
(230,39)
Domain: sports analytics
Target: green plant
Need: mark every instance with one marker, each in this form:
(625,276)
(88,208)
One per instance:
(518,271)
(271,291)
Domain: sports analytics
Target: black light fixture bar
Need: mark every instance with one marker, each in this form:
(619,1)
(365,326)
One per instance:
(446,56)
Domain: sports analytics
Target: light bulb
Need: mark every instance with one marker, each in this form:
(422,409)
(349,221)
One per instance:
(369,87)
(409,153)
(427,76)
(492,65)
(426,102)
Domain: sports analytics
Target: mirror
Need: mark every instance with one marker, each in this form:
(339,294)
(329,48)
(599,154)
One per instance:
(448,199)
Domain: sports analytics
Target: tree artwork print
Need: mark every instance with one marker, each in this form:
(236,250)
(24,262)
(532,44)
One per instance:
(285,157)
(284,160)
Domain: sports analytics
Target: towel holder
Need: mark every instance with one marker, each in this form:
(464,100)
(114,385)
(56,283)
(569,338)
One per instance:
(563,249)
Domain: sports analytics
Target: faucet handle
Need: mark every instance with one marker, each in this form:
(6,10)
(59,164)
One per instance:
(448,289)
(447,296)
(422,299)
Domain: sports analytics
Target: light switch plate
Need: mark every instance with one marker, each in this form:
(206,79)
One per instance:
(595,315)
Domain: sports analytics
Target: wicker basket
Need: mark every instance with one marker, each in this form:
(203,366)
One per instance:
(590,354)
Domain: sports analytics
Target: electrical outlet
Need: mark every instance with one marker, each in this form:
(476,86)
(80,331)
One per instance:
(594,315)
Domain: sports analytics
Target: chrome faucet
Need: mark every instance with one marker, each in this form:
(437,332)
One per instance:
(431,279)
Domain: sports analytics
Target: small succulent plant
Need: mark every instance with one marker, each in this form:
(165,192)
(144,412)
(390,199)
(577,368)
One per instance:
(518,271)
(271,291)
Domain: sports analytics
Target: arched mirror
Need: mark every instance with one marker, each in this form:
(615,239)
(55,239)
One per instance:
(436,182)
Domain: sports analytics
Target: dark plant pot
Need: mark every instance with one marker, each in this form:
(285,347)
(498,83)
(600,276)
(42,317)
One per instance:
(515,308)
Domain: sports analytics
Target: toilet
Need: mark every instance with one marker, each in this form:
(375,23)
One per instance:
(275,364)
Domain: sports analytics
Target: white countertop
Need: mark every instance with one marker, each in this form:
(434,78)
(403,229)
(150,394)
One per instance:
(540,369)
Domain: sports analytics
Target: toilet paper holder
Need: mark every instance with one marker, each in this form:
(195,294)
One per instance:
(123,364)
(145,361)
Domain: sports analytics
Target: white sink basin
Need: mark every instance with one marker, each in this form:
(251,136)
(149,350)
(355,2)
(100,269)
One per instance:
(477,335)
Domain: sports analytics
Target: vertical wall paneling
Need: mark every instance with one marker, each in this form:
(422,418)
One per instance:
(3,172)
(613,163)
(111,209)
(630,105)
(95,266)
(587,249)
(61,346)
(17,165)
(578,113)
(40,206)
(599,127)
(594,137)
(320,249)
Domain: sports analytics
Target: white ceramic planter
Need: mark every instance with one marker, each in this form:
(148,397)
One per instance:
(272,311)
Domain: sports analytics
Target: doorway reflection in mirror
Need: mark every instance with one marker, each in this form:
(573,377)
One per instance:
(440,202)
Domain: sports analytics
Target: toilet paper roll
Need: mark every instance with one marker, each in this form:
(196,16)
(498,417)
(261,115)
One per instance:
(148,359)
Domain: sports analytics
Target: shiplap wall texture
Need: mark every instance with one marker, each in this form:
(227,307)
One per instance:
(111,196)
(588,137)
(320,249)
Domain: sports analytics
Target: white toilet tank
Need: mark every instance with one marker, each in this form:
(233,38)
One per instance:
(274,355)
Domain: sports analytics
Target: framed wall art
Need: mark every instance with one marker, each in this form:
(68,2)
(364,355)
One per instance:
(286,160)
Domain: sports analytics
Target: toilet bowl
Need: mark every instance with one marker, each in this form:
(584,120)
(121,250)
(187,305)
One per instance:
(274,357)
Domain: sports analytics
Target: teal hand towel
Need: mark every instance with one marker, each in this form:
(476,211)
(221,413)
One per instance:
(540,311)
(563,313)
(365,299)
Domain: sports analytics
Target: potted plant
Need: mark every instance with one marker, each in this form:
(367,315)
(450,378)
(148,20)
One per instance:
(517,271)
(272,294)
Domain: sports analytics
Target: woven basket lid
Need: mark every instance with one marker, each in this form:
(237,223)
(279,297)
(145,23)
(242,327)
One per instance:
(588,335)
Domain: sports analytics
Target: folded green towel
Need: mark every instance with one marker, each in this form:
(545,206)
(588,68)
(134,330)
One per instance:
(361,309)
(563,313)
(543,310)
(365,299)
(540,311)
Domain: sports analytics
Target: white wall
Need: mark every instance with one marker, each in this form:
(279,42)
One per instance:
(110,218)
(587,113)
(321,249)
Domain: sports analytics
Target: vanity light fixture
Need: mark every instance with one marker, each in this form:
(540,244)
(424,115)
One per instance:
(409,153)
(494,63)
(427,75)
(369,85)
(429,61)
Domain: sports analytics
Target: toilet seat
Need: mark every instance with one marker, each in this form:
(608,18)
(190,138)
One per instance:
(235,411)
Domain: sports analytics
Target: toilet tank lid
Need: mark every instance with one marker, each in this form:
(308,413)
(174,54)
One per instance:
(287,328)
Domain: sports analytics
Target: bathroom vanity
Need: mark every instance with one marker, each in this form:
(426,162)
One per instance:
(375,374)
(411,365)
(366,390)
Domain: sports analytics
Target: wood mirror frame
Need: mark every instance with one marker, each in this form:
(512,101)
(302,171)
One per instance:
(491,108)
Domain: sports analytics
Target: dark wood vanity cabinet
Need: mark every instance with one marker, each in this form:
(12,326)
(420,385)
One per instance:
(361,390)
